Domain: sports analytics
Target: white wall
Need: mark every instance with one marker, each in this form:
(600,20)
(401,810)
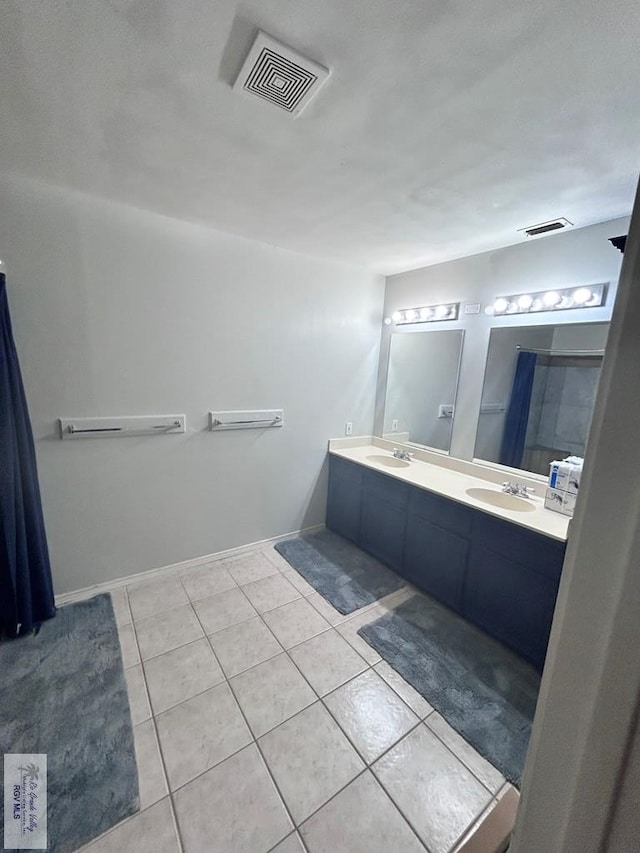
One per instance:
(117,311)
(580,256)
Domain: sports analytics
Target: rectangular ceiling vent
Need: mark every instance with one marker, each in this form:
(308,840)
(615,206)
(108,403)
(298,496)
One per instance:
(546,227)
(279,75)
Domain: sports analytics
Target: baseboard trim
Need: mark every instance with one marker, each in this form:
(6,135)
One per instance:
(150,574)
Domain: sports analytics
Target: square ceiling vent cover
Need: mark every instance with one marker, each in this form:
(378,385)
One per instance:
(275,73)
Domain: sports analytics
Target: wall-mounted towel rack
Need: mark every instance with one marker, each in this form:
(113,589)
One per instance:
(123,426)
(254,419)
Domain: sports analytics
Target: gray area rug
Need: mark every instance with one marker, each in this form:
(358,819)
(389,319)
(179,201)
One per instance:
(346,576)
(483,690)
(63,693)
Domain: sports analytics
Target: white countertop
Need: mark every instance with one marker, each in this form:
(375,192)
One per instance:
(442,479)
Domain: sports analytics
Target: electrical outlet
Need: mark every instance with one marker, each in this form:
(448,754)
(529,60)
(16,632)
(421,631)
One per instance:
(348,428)
(394,425)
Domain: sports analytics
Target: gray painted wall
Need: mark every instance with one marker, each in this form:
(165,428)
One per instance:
(117,312)
(580,256)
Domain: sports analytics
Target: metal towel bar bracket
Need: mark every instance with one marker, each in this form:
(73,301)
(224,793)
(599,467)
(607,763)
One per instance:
(246,420)
(131,425)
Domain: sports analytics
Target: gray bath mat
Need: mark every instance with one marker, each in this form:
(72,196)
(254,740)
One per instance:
(342,573)
(483,690)
(64,694)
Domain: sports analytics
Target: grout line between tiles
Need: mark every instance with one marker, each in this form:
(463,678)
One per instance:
(368,666)
(160,753)
(250,730)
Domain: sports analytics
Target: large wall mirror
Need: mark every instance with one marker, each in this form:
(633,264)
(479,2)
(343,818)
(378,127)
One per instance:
(422,381)
(539,392)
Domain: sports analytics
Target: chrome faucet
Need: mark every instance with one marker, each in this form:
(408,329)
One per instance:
(516,489)
(402,454)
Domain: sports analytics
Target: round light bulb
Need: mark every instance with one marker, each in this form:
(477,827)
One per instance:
(396,316)
(387,321)
(536,305)
(525,302)
(489,311)
(512,308)
(442,311)
(551,298)
(426,313)
(411,315)
(582,296)
(500,305)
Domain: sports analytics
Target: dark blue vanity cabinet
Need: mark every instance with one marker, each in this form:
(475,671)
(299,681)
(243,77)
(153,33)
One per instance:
(344,499)
(502,577)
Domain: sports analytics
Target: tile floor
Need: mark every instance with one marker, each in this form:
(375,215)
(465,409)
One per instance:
(263,722)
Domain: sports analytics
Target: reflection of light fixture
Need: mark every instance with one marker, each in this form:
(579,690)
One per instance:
(550,300)
(427,314)
(387,321)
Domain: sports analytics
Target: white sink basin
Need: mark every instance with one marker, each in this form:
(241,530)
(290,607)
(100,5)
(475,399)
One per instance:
(389,461)
(501,499)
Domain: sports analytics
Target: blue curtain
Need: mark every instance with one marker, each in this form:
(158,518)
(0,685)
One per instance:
(515,427)
(26,590)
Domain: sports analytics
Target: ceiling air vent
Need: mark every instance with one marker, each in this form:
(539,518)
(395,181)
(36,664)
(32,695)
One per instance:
(275,73)
(546,227)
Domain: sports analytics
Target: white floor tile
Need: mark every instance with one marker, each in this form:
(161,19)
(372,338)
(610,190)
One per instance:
(360,819)
(310,759)
(271,692)
(269,593)
(202,581)
(128,646)
(295,622)
(298,581)
(217,612)
(414,700)
(436,793)
(349,630)
(167,631)
(151,781)
(120,606)
(243,646)
(233,808)
(138,699)
(327,661)
(250,567)
(200,733)
(157,596)
(373,715)
(479,766)
(180,674)
(150,831)
(327,610)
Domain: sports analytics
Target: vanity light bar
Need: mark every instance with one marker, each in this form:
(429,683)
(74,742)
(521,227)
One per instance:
(426,314)
(590,296)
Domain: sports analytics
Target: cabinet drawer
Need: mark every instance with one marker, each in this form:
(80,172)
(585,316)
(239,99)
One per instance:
(445,513)
(386,488)
(435,560)
(539,553)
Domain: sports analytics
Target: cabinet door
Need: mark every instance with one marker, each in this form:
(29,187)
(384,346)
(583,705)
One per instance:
(510,601)
(344,498)
(382,531)
(435,560)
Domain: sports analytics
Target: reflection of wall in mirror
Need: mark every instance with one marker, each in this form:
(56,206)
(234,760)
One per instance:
(423,373)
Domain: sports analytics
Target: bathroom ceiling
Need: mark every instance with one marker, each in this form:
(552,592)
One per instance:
(444,127)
